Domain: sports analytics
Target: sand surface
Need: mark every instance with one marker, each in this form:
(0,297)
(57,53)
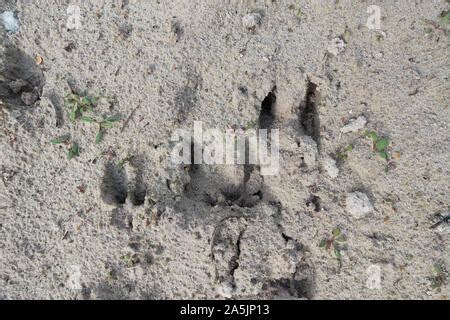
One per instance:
(347,216)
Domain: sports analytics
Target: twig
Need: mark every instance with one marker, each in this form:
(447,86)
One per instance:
(441,220)
(129,118)
(65,235)
(434,25)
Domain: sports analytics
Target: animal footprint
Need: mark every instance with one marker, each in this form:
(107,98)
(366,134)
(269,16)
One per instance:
(137,189)
(123,181)
(225,252)
(113,187)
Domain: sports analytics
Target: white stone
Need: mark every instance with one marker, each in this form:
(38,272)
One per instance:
(336,46)
(358,204)
(378,55)
(251,20)
(329,165)
(225,289)
(10,21)
(354,125)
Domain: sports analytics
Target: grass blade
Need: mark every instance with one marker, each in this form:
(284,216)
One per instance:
(99,137)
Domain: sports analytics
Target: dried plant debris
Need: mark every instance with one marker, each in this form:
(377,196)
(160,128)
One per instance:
(440,220)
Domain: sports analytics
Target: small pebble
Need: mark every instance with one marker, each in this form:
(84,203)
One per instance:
(336,46)
(251,20)
(329,165)
(354,125)
(358,204)
(39,60)
(225,289)
(378,55)
(10,21)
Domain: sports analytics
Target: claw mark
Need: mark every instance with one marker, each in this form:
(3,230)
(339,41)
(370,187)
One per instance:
(309,116)
(267,116)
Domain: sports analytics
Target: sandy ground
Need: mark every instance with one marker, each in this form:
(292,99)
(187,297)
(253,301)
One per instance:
(121,222)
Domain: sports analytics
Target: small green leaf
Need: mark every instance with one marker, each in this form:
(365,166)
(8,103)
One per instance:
(107,124)
(384,155)
(72,98)
(445,18)
(322,243)
(60,139)
(337,253)
(349,148)
(73,113)
(85,101)
(74,151)
(438,269)
(87,119)
(382,144)
(341,239)
(99,136)
(342,156)
(114,118)
(372,135)
(336,232)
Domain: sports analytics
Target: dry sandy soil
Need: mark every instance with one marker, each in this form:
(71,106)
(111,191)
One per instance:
(119,221)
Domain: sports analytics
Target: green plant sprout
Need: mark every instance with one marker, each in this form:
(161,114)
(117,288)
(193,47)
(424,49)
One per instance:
(379,144)
(104,124)
(445,18)
(111,276)
(297,10)
(439,277)
(440,26)
(334,243)
(74,150)
(130,260)
(78,105)
(343,154)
